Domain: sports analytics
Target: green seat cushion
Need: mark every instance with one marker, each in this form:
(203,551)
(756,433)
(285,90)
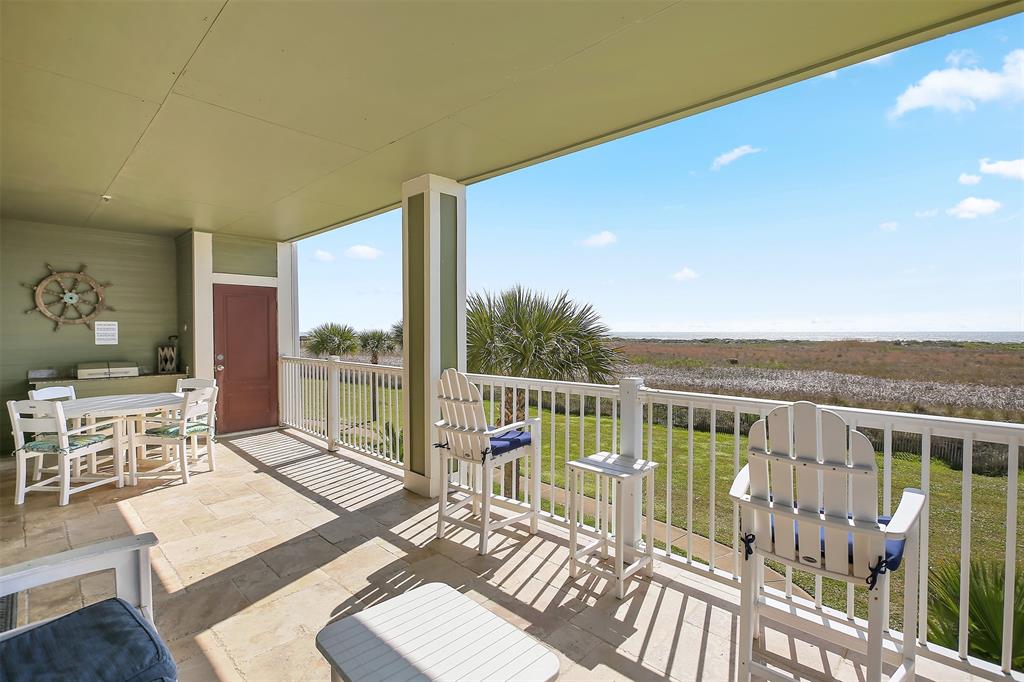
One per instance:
(171,430)
(48,442)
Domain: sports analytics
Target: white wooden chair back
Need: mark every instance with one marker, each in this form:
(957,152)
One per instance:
(30,417)
(53,393)
(463,424)
(807,458)
(199,406)
(192,384)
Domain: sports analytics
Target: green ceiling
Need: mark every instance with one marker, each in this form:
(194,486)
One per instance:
(278,119)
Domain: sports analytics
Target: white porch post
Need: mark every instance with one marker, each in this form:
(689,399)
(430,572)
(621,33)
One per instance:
(631,445)
(434,313)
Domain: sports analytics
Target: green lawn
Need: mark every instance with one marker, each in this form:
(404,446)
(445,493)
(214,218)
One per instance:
(988,492)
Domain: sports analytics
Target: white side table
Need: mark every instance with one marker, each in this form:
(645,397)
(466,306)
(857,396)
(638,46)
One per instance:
(618,471)
(433,632)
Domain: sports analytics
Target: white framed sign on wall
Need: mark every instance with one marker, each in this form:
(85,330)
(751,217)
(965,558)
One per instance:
(106,333)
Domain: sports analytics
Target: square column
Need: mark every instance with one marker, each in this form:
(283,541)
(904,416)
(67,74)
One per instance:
(434,314)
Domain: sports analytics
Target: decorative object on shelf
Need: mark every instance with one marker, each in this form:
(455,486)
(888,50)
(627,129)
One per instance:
(69,297)
(167,357)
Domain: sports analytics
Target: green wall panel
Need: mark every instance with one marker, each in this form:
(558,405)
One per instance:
(142,270)
(449,281)
(186,338)
(417,392)
(243,256)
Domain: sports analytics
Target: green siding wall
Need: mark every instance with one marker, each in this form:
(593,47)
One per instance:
(242,256)
(449,281)
(186,339)
(417,350)
(141,270)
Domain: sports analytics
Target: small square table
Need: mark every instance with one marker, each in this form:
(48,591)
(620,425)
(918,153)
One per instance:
(433,632)
(626,474)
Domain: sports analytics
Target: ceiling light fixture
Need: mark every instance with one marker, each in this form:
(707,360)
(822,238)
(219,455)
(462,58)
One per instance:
(106,197)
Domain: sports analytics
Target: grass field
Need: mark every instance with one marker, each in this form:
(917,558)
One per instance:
(987,517)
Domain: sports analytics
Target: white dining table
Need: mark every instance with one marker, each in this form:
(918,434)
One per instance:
(121,409)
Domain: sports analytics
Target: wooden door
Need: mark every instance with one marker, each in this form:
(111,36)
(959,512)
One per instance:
(245,356)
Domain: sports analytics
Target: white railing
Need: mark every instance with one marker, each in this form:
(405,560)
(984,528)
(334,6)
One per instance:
(353,405)
(697,521)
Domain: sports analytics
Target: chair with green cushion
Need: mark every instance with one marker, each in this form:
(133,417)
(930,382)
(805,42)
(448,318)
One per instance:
(181,430)
(66,393)
(44,421)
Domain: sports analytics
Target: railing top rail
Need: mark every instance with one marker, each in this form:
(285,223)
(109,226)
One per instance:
(348,363)
(560,386)
(863,417)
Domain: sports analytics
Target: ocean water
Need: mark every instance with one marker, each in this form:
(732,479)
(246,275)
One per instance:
(990,337)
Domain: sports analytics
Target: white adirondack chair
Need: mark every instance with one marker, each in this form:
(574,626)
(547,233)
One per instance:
(465,436)
(193,420)
(44,420)
(827,524)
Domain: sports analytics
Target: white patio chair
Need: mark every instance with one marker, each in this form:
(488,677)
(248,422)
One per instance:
(192,384)
(53,393)
(45,420)
(465,436)
(827,524)
(194,419)
(63,393)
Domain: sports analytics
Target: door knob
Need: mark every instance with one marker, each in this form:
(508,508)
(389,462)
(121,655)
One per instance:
(219,368)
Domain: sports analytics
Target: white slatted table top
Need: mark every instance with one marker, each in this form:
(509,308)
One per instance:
(120,405)
(433,632)
(614,466)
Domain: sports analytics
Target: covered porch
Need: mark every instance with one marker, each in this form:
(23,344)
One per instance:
(286,536)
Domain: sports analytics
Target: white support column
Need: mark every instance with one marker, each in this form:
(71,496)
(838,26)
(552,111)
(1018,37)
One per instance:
(202,303)
(631,445)
(434,313)
(287,299)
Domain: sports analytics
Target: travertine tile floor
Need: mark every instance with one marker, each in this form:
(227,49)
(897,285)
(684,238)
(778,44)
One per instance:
(284,537)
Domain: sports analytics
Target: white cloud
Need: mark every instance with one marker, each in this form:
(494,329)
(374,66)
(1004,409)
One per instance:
(961,89)
(725,159)
(880,59)
(959,58)
(325,256)
(362,252)
(973,207)
(685,275)
(1009,169)
(602,238)
(927,213)
(889,226)
(968,179)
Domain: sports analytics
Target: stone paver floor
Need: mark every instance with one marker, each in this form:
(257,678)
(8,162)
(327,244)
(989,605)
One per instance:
(284,537)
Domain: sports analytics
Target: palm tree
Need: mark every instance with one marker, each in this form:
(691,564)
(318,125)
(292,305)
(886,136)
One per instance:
(332,338)
(397,331)
(524,333)
(375,342)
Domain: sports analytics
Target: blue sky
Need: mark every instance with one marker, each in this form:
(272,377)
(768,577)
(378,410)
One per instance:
(887,196)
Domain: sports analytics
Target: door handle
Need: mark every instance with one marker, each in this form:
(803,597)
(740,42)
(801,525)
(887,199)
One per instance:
(219,368)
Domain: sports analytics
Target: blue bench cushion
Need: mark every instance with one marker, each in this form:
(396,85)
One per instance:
(507,442)
(110,641)
(48,442)
(171,430)
(893,548)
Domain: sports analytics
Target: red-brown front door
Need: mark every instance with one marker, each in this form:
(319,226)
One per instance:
(245,356)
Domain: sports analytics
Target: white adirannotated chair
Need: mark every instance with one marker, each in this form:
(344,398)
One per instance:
(45,421)
(465,436)
(193,420)
(192,384)
(826,524)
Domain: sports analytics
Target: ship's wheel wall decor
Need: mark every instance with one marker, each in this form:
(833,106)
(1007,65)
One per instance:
(69,297)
